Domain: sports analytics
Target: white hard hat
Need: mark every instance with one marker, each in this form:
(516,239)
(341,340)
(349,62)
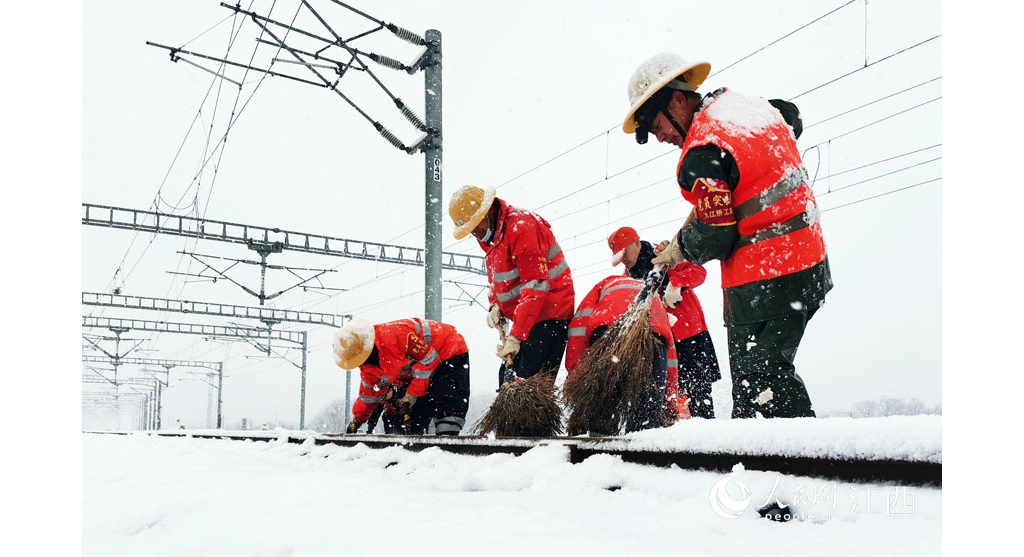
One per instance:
(655,73)
(353,343)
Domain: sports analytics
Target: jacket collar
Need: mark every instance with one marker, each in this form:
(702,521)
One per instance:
(499,226)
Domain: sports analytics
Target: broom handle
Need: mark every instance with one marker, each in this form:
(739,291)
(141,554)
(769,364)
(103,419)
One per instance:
(509,373)
(501,337)
(650,284)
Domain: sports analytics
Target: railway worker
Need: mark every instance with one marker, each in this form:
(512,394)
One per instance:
(416,367)
(529,278)
(695,351)
(605,304)
(754,210)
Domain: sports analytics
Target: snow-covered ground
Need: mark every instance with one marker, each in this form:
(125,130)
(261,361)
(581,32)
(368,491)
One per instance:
(157,495)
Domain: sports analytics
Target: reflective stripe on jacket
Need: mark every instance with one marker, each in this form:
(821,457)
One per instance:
(409,351)
(774,206)
(527,271)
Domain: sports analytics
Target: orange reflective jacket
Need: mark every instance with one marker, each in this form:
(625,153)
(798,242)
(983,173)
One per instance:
(409,351)
(528,273)
(773,204)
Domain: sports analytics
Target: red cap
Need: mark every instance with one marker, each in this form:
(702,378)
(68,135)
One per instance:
(618,242)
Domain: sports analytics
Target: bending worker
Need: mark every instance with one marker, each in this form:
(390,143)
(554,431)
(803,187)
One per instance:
(417,367)
(697,360)
(605,304)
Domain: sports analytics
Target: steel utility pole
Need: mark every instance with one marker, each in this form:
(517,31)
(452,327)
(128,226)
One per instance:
(434,158)
(329,56)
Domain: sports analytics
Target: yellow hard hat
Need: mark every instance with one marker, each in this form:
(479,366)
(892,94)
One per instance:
(469,206)
(353,344)
(657,72)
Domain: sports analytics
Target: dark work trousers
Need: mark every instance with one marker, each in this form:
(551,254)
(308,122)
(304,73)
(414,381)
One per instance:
(764,378)
(543,351)
(648,413)
(698,369)
(446,401)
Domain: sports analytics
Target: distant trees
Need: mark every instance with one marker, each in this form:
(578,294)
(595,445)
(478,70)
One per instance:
(892,407)
(331,419)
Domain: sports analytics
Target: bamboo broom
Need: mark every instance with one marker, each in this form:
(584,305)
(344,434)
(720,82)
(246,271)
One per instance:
(614,373)
(523,408)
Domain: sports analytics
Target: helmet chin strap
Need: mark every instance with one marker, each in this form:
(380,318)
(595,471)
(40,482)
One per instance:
(675,124)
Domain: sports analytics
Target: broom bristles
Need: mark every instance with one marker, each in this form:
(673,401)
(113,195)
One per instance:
(614,373)
(526,408)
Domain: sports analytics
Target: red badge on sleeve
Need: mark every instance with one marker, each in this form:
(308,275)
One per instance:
(416,346)
(714,202)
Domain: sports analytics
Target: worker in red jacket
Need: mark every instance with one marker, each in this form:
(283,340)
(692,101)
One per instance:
(529,278)
(599,310)
(698,361)
(754,211)
(415,366)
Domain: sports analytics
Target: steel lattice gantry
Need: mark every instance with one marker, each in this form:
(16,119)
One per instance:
(264,314)
(165,363)
(216,366)
(249,334)
(250,235)
(149,413)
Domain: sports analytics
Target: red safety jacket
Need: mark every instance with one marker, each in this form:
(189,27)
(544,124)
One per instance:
(604,305)
(527,271)
(409,352)
(688,312)
(773,204)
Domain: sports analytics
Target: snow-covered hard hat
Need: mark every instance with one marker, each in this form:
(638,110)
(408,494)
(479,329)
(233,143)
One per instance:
(469,206)
(657,72)
(353,344)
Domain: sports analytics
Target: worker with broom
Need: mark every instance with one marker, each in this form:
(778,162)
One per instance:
(417,368)
(529,278)
(697,360)
(602,399)
(754,210)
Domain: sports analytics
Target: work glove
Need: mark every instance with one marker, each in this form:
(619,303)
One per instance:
(406,402)
(670,255)
(494,317)
(669,415)
(509,349)
(354,425)
(673,295)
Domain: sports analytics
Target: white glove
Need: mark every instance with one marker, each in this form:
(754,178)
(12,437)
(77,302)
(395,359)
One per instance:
(494,317)
(670,255)
(407,401)
(673,295)
(509,349)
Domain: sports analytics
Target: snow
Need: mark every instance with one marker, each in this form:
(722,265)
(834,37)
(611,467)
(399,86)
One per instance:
(743,114)
(178,495)
(654,70)
(360,329)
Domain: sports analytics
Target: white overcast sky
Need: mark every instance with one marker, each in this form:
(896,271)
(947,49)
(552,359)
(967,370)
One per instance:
(520,87)
(88,106)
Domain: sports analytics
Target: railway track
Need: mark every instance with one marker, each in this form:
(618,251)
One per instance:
(849,469)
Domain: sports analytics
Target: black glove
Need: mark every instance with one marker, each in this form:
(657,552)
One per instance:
(353,426)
